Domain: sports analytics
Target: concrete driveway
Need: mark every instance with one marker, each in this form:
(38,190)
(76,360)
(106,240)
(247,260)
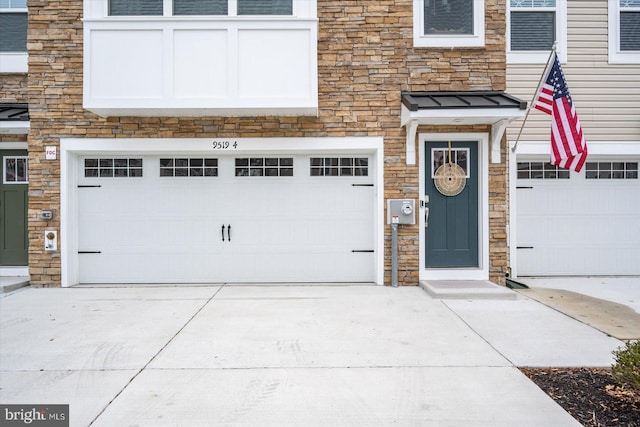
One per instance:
(286,356)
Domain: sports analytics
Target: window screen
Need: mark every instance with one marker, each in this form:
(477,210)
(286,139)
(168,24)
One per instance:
(448,17)
(13,32)
(135,7)
(200,7)
(533,30)
(265,7)
(629,31)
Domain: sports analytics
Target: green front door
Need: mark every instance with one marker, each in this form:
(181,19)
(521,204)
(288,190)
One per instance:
(451,235)
(14,188)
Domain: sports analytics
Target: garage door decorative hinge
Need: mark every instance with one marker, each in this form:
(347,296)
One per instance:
(524,247)
(363,250)
(89,252)
(89,186)
(362,185)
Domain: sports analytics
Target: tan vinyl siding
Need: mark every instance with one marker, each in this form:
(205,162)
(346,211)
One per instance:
(606,97)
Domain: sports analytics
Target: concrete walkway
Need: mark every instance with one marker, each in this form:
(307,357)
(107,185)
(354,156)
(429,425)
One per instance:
(286,356)
(609,304)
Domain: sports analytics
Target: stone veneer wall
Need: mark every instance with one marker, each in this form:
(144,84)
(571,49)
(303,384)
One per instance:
(365,59)
(13,90)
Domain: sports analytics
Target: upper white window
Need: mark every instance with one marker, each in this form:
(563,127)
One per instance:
(13,36)
(532,28)
(448,23)
(624,31)
(200,7)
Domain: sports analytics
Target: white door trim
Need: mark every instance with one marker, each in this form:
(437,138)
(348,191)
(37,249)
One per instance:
(72,148)
(9,271)
(482,272)
(13,146)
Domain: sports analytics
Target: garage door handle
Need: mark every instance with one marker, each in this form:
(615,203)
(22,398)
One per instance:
(223,232)
(228,231)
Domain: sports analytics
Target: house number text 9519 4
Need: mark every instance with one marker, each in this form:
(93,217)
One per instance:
(225,145)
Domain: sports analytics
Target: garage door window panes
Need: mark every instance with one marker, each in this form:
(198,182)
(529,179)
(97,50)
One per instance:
(112,168)
(264,166)
(339,166)
(611,170)
(541,170)
(188,167)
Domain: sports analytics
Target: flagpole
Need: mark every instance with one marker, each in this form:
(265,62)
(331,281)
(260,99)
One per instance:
(544,73)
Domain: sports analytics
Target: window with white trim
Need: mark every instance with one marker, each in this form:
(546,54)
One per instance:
(624,31)
(448,23)
(532,28)
(16,170)
(201,7)
(459,156)
(13,26)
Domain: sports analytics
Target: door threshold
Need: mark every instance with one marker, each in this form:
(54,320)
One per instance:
(14,271)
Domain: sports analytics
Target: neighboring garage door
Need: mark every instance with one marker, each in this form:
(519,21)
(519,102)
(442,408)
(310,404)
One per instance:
(199,219)
(578,224)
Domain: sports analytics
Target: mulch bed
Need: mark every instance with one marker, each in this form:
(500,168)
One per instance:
(590,395)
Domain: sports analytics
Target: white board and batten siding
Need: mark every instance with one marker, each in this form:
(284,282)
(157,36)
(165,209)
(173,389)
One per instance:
(579,226)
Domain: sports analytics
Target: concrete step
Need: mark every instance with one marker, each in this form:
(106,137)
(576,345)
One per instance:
(9,284)
(467,289)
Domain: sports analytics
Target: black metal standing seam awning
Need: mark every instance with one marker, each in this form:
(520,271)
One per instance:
(14,112)
(415,101)
(495,108)
(14,118)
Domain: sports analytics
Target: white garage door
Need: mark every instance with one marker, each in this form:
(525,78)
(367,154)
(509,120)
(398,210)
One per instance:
(198,219)
(578,224)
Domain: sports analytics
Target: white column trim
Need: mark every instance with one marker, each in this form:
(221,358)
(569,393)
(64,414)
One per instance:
(412,127)
(497,131)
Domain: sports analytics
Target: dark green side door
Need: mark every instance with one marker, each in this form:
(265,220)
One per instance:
(14,187)
(451,236)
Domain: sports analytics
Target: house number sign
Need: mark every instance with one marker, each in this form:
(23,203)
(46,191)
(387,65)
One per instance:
(225,145)
(50,152)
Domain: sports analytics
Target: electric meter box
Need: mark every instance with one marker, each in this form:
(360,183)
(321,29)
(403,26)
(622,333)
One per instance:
(401,211)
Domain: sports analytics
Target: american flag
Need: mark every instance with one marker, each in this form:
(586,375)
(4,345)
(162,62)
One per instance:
(568,147)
